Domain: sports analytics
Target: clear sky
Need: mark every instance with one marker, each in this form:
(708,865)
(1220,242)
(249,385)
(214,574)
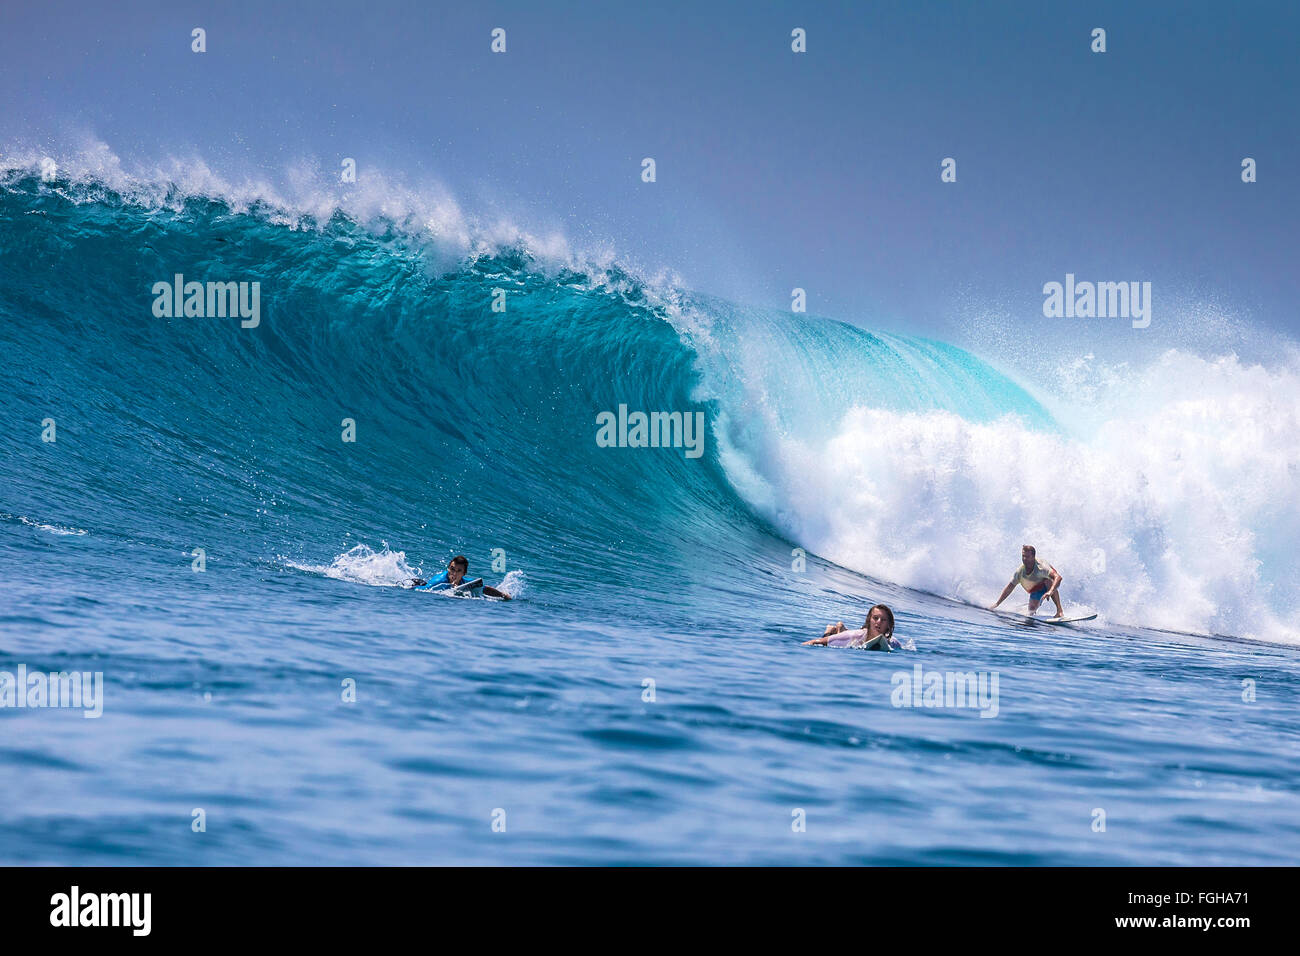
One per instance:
(775,169)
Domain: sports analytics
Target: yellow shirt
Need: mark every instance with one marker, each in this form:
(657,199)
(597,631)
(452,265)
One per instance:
(1032,579)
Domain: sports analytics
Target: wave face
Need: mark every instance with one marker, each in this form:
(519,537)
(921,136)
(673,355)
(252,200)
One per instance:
(910,461)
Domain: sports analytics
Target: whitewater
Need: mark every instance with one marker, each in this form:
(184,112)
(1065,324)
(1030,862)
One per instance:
(200,532)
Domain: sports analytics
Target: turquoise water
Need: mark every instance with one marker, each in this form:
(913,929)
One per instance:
(475,434)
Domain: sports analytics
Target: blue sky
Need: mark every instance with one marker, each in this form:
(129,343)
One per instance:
(775,170)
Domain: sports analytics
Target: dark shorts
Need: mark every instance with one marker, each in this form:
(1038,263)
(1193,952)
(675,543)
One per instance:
(1038,593)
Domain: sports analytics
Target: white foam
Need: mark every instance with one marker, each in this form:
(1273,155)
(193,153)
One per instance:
(514,583)
(361,564)
(51,528)
(1177,509)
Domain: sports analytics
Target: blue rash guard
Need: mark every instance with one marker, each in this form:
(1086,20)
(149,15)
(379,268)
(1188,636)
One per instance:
(436,583)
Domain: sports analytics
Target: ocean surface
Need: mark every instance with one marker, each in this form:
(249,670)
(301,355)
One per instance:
(201,533)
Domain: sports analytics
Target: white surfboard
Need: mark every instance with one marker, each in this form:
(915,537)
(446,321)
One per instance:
(468,588)
(1013,615)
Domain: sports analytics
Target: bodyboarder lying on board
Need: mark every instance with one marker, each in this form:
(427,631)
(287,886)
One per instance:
(452,578)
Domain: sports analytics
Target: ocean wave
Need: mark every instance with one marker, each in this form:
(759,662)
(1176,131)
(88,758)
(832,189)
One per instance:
(1165,494)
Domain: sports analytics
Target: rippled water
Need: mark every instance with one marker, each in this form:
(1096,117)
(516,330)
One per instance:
(224,693)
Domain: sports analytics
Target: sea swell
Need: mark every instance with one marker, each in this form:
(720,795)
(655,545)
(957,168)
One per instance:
(907,460)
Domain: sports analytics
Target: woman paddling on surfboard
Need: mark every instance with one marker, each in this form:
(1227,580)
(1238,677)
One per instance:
(1040,579)
(877,634)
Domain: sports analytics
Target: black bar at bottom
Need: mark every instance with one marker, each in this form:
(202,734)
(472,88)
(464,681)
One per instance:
(335,906)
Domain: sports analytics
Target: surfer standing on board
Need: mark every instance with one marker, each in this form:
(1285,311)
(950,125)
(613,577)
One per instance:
(1039,579)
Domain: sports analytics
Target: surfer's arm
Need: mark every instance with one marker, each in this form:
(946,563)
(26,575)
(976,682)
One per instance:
(831,631)
(1006,592)
(493,592)
(1056,581)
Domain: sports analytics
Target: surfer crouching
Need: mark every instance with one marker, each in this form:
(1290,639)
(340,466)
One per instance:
(1040,579)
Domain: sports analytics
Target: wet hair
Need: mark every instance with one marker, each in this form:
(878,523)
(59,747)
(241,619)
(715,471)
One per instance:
(460,560)
(889,619)
(1029,548)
